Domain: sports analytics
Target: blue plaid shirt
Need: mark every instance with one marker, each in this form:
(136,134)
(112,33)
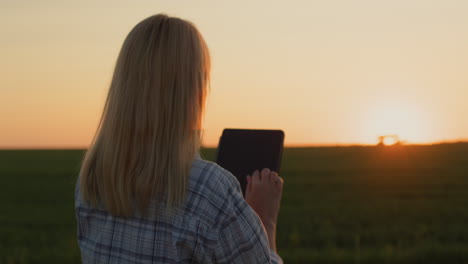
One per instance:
(214,225)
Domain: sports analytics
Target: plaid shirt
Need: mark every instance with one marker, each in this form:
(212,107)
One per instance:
(214,225)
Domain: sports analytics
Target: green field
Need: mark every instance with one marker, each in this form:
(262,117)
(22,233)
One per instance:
(404,204)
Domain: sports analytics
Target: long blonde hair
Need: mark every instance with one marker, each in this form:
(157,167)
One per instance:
(150,127)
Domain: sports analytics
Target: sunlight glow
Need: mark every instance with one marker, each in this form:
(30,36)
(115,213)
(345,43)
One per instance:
(395,117)
(388,141)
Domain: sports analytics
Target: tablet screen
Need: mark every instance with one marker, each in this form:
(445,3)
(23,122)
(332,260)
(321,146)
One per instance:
(242,151)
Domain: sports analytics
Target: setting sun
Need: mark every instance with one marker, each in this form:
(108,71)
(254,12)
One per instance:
(388,141)
(403,121)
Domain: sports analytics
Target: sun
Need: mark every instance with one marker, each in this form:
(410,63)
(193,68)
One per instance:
(388,141)
(405,120)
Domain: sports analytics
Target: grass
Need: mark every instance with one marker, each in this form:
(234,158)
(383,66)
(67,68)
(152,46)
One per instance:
(404,204)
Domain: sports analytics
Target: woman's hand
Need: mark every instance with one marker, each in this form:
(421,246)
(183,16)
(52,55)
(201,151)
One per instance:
(263,194)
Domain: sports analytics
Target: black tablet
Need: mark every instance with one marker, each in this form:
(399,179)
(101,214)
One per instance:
(242,151)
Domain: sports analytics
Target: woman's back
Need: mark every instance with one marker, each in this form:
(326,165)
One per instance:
(143,194)
(213,225)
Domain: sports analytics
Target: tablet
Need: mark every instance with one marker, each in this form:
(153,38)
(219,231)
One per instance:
(242,151)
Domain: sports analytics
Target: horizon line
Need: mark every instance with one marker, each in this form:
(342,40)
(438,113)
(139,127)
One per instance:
(293,145)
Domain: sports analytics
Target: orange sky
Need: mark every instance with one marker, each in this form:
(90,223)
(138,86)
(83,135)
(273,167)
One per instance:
(326,72)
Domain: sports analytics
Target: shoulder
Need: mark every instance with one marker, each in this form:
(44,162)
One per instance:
(210,175)
(213,191)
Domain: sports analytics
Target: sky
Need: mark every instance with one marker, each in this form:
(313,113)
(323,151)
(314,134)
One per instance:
(326,72)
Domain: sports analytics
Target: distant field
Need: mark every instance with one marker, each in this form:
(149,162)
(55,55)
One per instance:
(340,205)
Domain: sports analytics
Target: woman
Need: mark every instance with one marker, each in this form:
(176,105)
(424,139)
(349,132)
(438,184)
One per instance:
(144,195)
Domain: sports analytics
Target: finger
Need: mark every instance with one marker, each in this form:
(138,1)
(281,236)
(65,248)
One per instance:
(273,176)
(280,182)
(256,177)
(265,173)
(277,179)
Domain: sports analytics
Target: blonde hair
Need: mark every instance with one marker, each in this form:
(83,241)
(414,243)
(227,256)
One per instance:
(150,128)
